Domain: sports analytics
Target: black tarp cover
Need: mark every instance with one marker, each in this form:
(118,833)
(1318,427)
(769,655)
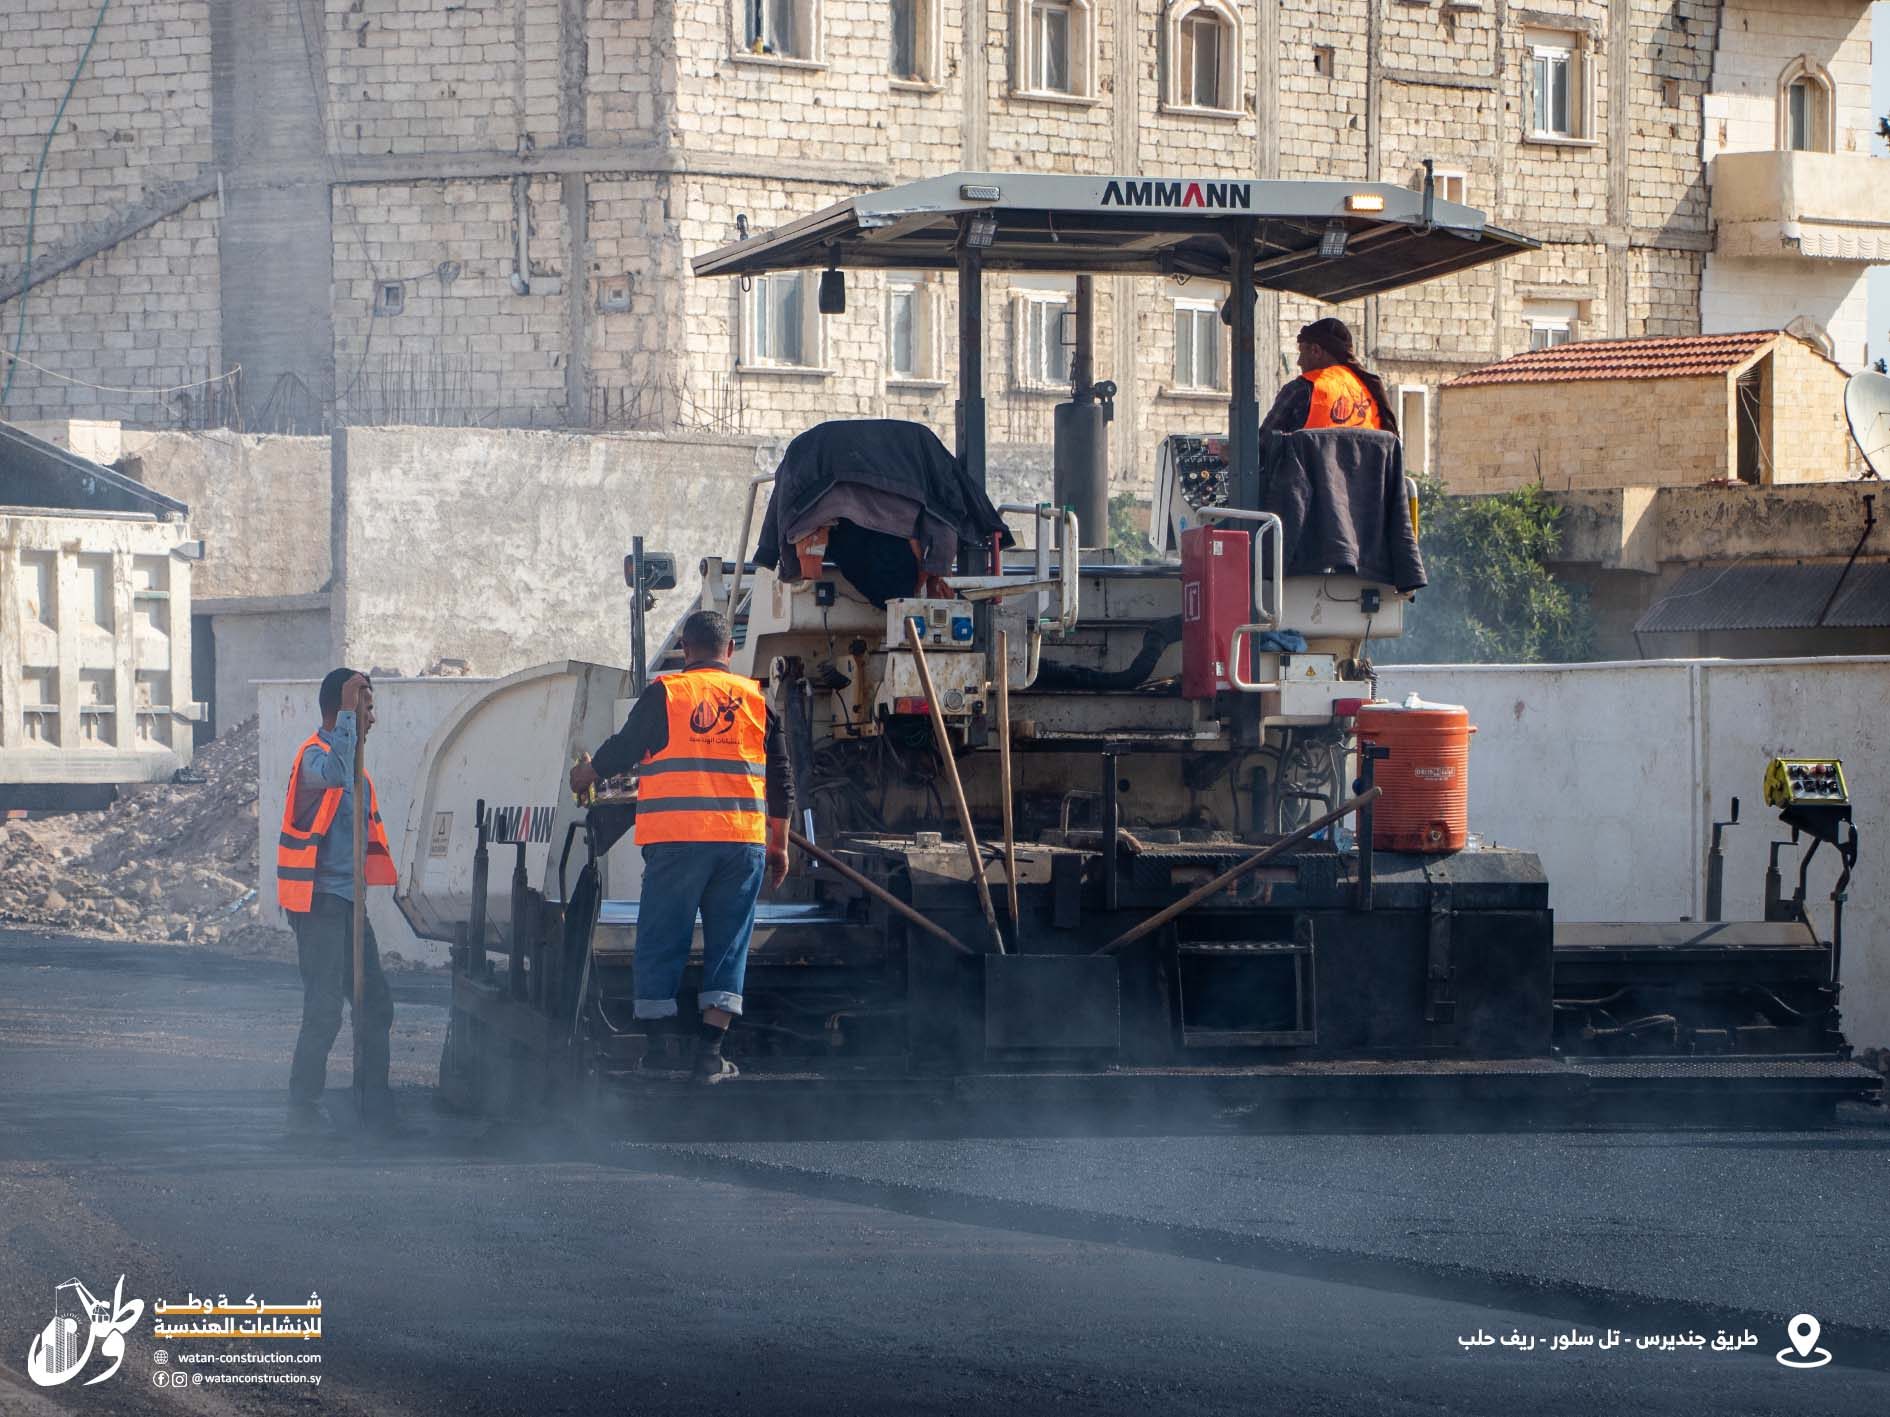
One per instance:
(887,455)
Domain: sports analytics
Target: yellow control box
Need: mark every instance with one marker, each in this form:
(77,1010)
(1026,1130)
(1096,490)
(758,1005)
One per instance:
(1806,782)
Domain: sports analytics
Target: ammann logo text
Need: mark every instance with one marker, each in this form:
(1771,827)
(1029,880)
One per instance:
(1229,196)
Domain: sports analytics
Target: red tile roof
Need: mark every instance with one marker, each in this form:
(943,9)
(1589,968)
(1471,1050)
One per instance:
(1653,357)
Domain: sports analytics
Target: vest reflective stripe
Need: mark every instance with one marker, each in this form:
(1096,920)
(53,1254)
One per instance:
(1340,400)
(709,782)
(668,764)
(299,848)
(700,804)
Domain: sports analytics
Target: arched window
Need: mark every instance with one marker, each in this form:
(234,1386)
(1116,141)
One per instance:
(1202,41)
(1806,114)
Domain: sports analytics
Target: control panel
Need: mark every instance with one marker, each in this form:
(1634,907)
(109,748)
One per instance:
(947,624)
(1192,473)
(1798,782)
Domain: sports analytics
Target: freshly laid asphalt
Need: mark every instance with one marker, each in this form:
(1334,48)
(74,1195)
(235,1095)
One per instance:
(486,1268)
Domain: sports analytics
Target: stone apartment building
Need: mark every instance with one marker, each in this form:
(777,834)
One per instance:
(482,211)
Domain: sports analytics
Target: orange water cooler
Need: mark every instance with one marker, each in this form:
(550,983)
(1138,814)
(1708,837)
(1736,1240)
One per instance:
(1425,777)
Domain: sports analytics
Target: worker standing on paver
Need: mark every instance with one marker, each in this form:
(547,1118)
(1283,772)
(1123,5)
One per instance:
(1333,389)
(315,885)
(712,805)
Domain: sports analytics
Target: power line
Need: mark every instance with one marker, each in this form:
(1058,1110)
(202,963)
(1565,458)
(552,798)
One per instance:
(12,359)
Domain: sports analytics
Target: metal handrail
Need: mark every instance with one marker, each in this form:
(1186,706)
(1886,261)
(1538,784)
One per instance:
(1064,520)
(741,551)
(1069,563)
(1268,610)
(1270,526)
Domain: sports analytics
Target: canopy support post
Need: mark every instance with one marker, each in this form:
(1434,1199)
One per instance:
(1243,408)
(971,422)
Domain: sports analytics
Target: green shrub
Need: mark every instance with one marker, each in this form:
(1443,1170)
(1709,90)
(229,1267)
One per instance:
(1491,598)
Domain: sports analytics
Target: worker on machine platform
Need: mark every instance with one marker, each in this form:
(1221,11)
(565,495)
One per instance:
(1333,389)
(712,805)
(315,885)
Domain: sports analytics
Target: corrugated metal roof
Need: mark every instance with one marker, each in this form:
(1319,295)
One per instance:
(1655,357)
(1773,597)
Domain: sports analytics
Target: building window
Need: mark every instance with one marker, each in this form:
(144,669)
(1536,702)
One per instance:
(1558,85)
(1805,108)
(781,327)
(909,344)
(1054,56)
(1323,57)
(1043,355)
(1551,322)
(1414,426)
(1203,47)
(1452,186)
(913,46)
(785,29)
(1198,361)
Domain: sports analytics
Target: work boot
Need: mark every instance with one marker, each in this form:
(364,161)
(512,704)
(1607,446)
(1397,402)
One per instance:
(711,1067)
(310,1119)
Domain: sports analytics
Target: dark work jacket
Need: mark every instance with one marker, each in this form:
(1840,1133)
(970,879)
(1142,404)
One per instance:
(1339,494)
(890,454)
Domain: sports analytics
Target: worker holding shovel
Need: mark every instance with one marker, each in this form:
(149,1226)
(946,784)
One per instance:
(321,877)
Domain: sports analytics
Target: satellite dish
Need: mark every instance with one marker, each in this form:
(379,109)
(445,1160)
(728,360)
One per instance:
(1867,407)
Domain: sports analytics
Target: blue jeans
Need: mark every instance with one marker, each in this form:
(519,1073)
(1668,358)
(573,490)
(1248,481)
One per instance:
(722,879)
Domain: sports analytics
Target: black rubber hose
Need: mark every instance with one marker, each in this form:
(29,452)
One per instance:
(1155,640)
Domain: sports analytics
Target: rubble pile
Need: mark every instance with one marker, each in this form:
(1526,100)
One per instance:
(164,862)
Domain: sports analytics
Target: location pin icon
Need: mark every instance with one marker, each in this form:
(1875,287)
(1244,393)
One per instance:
(1803,1332)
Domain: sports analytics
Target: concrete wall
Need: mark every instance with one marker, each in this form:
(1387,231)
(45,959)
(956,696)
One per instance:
(505,548)
(1643,528)
(1628,546)
(264,638)
(406,712)
(260,503)
(1614,772)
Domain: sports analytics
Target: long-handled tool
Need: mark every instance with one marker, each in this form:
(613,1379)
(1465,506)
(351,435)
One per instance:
(1004,772)
(879,892)
(913,637)
(360,919)
(1234,873)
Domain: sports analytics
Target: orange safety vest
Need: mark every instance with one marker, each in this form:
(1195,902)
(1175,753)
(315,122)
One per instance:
(1340,400)
(710,782)
(297,847)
